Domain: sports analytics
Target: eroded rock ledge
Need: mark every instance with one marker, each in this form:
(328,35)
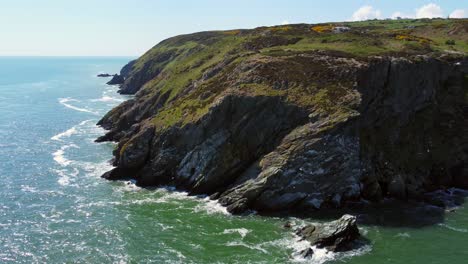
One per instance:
(299,131)
(338,235)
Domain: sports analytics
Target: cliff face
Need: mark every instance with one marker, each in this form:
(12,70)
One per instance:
(221,113)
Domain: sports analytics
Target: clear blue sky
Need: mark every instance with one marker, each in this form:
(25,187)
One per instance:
(130,27)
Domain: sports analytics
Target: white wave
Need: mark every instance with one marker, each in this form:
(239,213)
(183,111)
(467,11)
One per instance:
(69,132)
(27,188)
(65,102)
(243,244)
(94,168)
(107,99)
(64,180)
(59,155)
(165,227)
(211,207)
(131,186)
(98,204)
(461,230)
(241,231)
(65,176)
(320,256)
(177,253)
(403,235)
(170,195)
(72,221)
(167,196)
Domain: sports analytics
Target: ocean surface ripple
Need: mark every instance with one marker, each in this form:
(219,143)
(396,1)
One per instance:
(55,208)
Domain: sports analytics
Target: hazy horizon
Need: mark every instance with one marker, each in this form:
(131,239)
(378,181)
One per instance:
(129,28)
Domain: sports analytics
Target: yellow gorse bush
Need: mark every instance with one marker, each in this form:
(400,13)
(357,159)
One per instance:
(323,28)
(412,38)
(232,32)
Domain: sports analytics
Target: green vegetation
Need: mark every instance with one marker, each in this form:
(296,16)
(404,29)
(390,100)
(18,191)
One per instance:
(193,70)
(450,42)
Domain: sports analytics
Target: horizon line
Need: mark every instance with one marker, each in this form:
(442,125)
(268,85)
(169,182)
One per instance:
(88,56)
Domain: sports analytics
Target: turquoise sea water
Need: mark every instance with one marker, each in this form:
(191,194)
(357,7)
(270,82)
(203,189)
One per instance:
(54,207)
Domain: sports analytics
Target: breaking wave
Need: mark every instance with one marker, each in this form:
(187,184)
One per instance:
(69,132)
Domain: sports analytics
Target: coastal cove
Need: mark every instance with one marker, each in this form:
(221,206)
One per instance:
(56,208)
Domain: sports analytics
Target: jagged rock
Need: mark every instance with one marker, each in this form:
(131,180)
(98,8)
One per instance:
(127,69)
(307,253)
(335,236)
(134,153)
(117,79)
(104,75)
(287,225)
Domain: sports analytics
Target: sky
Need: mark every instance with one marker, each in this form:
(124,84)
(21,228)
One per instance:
(131,27)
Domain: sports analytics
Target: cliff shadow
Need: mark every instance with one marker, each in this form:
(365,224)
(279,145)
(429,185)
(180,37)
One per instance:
(430,210)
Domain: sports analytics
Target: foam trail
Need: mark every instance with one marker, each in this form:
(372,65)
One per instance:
(59,155)
(69,132)
(64,102)
(461,230)
(241,231)
(107,99)
(249,246)
(64,179)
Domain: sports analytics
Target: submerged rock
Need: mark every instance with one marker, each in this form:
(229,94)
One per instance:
(334,236)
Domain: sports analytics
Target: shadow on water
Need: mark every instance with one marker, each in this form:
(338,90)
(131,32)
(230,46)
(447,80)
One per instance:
(431,210)
(393,213)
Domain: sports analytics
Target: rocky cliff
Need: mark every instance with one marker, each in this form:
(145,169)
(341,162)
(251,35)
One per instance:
(297,117)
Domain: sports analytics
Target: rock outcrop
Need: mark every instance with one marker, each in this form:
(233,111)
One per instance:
(215,113)
(335,236)
(116,79)
(104,75)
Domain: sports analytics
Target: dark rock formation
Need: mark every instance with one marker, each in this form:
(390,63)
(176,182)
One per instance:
(334,236)
(290,132)
(127,69)
(104,75)
(117,79)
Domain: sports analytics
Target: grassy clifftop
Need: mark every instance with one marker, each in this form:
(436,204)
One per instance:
(188,72)
(305,116)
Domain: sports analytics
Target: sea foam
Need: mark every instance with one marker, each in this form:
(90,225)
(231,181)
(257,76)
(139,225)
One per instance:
(106,98)
(241,231)
(73,130)
(65,102)
(59,155)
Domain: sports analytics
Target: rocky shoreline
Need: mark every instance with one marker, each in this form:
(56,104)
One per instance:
(308,160)
(296,132)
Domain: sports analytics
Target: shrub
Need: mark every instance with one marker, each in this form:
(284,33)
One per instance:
(450,42)
(323,28)
(412,38)
(281,28)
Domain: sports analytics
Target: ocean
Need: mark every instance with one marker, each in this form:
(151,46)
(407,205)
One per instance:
(55,208)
